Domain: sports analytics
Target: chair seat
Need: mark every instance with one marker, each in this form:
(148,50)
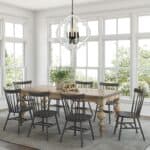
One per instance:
(45,113)
(78,117)
(126,114)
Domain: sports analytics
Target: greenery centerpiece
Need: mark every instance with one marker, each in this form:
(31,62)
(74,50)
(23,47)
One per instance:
(61,75)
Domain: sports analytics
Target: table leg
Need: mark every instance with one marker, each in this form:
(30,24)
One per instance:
(116,105)
(101,117)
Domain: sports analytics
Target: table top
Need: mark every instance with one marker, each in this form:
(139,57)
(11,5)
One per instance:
(89,93)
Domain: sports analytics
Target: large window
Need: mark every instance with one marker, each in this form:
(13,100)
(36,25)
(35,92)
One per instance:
(14,53)
(117,53)
(143,51)
(59,55)
(87,57)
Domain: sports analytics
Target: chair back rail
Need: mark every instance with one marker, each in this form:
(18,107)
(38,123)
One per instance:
(109,86)
(84,84)
(22,84)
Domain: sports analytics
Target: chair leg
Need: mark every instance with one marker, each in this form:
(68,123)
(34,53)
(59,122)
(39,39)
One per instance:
(19,122)
(116,125)
(135,125)
(32,125)
(57,108)
(75,124)
(90,108)
(120,128)
(47,129)
(42,124)
(81,134)
(57,124)
(31,116)
(91,129)
(109,114)
(141,129)
(6,121)
(61,137)
(95,113)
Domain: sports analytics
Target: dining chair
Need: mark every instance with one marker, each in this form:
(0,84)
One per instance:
(107,86)
(76,115)
(41,110)
(133,115)
(85,84)
(15,107)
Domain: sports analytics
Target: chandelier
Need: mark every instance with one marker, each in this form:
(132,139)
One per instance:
(73,32)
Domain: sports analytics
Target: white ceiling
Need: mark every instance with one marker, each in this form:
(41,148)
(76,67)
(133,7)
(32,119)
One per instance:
(44,4)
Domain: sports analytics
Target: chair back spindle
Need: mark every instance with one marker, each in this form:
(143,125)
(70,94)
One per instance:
(137,103)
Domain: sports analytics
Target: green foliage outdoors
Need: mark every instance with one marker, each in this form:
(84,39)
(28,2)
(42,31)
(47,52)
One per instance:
(12,73)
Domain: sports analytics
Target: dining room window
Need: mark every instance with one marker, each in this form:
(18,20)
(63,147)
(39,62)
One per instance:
(117,53)
(14,53)
(58,54)
(143,54)
(87,56)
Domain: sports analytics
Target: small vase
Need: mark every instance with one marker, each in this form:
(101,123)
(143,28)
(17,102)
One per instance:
(59,85)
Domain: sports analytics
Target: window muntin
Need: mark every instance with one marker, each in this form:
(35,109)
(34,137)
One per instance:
(13,30)
(117,26)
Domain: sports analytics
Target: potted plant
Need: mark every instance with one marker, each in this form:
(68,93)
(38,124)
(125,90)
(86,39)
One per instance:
(61,75)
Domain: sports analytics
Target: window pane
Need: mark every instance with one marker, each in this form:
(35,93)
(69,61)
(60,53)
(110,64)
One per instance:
(123,25)
(144,81)
(9,53)
(93,25)
(81,74)
(110,26)
(123,53)
(124,81)
(65,56)
(144,24)
(9,30)
(9,76)
(82,29)
(110,75)
(19,74)
(92,53)
(144,53)
(18,30)
(54,30)
(81,56)
(55,54)
(110,53)
(19,54)
(92,75)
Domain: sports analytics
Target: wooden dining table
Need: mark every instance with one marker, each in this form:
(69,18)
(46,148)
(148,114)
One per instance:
(98,96)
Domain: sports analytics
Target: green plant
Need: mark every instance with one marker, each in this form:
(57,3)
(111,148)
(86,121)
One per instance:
(61,75)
